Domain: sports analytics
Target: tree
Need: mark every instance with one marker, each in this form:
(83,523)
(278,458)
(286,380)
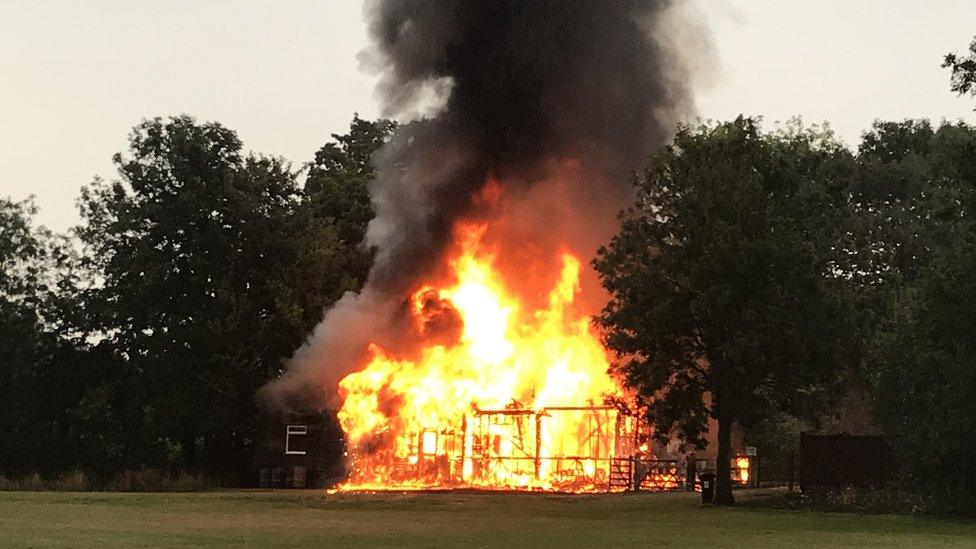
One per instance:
(339,177)
(908,194)
(23,339)
(963,71)
(926,383)
(920,363)
(213,265)
(327,256)
(727,295)
(186,245)
(202,269)
(44,374)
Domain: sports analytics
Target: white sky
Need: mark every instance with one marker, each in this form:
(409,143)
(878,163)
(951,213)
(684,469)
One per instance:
(76,75)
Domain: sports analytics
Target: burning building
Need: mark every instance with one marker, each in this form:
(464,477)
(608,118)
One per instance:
(509,396)
(469,357)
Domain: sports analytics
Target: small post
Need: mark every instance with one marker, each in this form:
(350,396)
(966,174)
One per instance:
(754,465)
(538,444)
(632,464)
(791,472)
(464,447)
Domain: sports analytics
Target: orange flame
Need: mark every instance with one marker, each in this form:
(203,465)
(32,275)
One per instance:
(741,466)
(423,421)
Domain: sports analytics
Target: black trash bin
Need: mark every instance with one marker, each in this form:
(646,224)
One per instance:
(707,481)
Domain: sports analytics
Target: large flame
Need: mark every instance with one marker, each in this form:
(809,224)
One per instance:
(498,395)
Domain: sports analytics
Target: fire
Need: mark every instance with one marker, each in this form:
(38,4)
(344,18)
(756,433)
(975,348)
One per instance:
(741,465)
(499,394)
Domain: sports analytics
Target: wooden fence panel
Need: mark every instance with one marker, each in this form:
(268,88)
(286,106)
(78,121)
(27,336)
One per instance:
(838,461)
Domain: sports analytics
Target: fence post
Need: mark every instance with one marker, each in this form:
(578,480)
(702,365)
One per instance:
(756,470)
(791,471)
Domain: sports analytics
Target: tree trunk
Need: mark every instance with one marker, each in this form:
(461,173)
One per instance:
(723,464)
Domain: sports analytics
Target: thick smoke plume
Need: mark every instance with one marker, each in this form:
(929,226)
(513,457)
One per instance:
(555,102)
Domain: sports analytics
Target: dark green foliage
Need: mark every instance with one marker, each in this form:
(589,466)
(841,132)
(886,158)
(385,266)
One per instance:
(49,380)
(329,225)
(963,79)
(777,439)
(927,382)
(909,192)
(726,300)
(908,200)
(338,179)
(186,245)
(28,347)
(921,361)
(214,266)
(23,251)
(866,501)
(202,269)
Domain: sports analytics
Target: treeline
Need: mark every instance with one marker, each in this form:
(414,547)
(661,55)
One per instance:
(141,339)
(776,280)
(761,279)
(822,274)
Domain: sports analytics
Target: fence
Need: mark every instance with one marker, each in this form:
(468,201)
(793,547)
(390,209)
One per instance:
(839,461)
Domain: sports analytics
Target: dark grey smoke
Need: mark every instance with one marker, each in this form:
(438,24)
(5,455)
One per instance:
(527,83)
(532,80)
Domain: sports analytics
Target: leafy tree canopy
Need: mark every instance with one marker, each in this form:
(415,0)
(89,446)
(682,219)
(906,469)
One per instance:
(963,69)
(212,267)
(922,348)
(41,367)
(330,225)
(926,383)
(727,294)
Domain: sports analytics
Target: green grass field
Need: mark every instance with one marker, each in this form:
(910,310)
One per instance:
(289,518)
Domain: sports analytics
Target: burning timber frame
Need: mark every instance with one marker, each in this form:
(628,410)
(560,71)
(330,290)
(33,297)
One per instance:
(509,448)
(603,433)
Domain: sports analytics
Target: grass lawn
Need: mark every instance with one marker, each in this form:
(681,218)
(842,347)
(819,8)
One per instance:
(297,518)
